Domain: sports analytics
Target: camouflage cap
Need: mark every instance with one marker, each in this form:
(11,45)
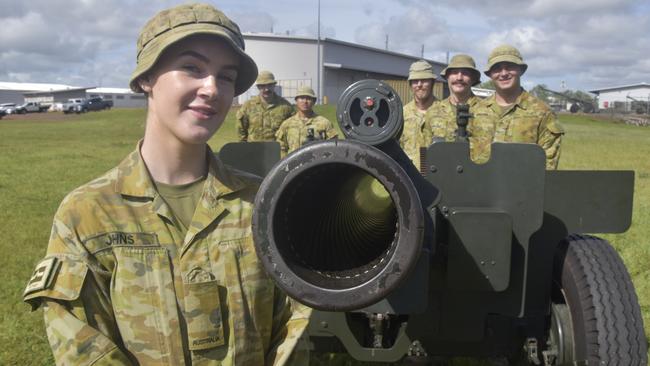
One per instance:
(462,61)
(266,77)
(172,25)
(421,70)
(505,53)
(305,91)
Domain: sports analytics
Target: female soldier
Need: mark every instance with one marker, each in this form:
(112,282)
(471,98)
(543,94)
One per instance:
(153,263)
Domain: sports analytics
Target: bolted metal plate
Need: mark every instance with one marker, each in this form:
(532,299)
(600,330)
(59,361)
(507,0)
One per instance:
(510,184)
(479,249)
(252,157)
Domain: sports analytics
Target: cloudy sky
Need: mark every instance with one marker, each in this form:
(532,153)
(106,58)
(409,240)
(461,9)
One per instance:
(581,44)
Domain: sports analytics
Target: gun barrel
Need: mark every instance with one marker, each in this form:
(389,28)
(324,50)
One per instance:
(338,225)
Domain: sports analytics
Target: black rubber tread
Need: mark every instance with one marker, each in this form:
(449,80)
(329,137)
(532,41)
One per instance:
(606,317)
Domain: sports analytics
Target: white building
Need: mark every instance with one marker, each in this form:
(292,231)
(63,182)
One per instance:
(57,94)
(11,92)
(297,61)
(622,97)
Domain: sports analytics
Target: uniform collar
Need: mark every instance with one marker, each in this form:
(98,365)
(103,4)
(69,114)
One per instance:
(133,177)
(274,100)
(519,102)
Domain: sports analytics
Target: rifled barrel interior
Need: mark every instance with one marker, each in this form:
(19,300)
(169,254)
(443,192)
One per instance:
(335,225)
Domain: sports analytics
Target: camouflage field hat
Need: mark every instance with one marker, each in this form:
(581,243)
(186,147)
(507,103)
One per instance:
(421,70)
(461,61)
(505,53)
(172,25)
(265,78)
(305,91)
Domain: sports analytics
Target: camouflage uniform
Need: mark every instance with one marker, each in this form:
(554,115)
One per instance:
(120,284)
(293,132)
(258,120)
(527,120)
(413,135)
(440,119)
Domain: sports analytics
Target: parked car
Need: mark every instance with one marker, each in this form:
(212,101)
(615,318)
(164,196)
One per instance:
(36,107)
(85,105)
(98,104)
(11,108)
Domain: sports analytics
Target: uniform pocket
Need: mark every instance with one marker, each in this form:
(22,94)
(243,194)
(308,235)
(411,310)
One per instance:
(293,139)
(203,315)
(144,301)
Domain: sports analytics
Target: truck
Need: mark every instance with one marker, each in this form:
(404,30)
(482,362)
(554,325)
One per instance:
(417,265)
(33,107)
(77,105)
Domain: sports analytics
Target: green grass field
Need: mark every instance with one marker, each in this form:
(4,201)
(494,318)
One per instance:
(42,159)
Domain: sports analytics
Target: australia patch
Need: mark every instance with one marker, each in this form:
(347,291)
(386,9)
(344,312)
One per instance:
(43,275)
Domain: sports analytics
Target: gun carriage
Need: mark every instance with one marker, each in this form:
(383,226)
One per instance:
(453,259)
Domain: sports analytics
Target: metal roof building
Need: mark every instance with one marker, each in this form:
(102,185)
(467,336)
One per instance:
(56,94)
(329,66)
(624,95)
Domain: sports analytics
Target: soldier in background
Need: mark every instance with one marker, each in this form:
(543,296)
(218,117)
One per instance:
(260,117)
(305,125)
(461,74)
(153,263)
(421,79)
(512,114)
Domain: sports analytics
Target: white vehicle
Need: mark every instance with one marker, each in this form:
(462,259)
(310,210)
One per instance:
(11,108)
(36,107)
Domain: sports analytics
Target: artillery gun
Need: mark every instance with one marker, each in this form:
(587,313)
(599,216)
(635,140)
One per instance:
(577,104)
(408,266)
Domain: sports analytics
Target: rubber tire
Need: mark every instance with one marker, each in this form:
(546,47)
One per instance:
(607,322)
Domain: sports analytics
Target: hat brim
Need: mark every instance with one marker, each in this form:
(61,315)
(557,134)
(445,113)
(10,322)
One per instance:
(476,73)
(421,75)
(151,53)
(505,58)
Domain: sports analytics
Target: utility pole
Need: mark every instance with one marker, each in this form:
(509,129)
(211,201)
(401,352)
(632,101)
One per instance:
(386,47)
(422,51)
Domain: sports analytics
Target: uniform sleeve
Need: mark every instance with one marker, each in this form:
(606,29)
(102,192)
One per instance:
(289,344)
(242,123)
(79,321)
(280,136)
(550,138)
(426,133)
(331,132)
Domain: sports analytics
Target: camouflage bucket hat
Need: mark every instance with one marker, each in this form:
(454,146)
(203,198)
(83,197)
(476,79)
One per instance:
(461,61)
(265,78)
(505,53)
(305,91)
(172,25)
(421,70)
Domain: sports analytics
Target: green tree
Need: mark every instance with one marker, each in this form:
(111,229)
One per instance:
(540,92)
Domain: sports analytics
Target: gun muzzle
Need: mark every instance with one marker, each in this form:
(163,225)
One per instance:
(338,224)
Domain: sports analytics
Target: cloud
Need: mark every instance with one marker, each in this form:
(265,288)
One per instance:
(407,32)
(254,21)
(588,43)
